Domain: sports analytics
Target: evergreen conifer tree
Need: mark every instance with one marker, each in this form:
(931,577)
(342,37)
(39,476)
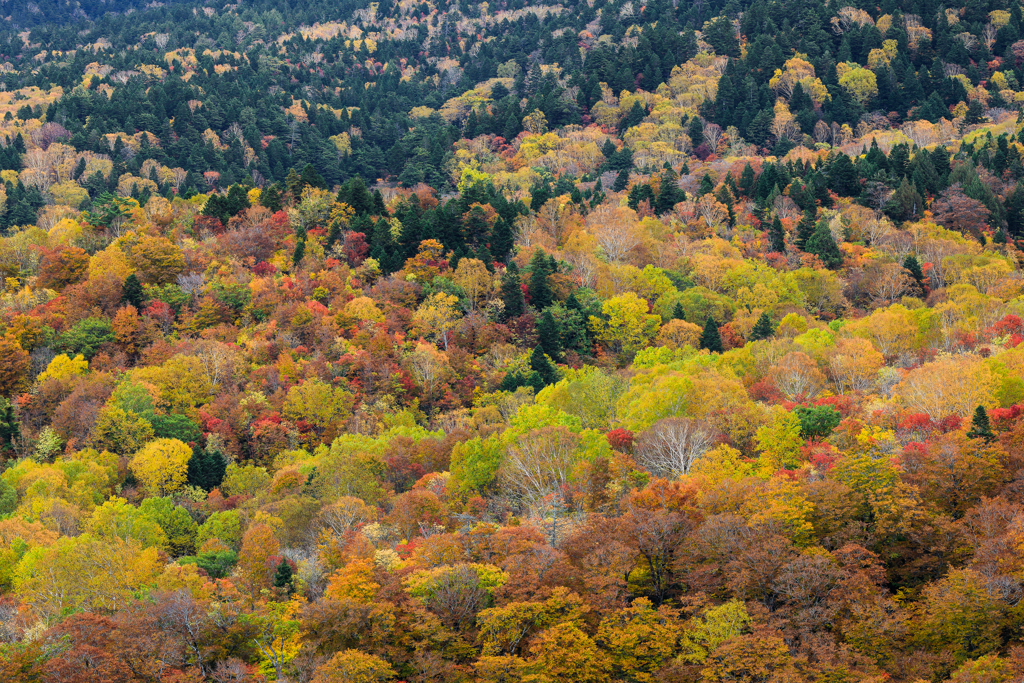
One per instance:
(805,228)
(1015,211)
(540,364)
(293,182)
(763,328)
(1000,236)
(710,339)
(206,469)
(669,193)
(677,312)
(502,239)
(549,335)
(283,577)
(621,181)
(980,427)
(310,176)
(539,288)
(912,266)
(512,292)
(777,236)
(707,186)
(747,179)
(10,427)
(824,246)
(132,292)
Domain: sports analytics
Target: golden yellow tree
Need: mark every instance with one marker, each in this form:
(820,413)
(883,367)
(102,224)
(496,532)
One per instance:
(951,385)
(626,326)
(162,465)
(437,316)
(353,666)
(84,573)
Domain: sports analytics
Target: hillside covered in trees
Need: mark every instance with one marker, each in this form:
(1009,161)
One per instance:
(579,342)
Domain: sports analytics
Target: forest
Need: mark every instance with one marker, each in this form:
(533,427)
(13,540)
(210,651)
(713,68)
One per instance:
(446,342)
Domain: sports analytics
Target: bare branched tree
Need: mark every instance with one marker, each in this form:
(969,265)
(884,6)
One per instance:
(669,447)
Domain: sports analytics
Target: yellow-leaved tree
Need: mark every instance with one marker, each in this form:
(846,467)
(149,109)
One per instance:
(437,316)
(627,326)
(84,573)
(63,368)
(860,82)
(353,666)
(162,465)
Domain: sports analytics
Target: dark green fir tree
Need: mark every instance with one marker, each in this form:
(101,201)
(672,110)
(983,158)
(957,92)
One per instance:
(980,427)
(10,426)
(132,292)
(549,335)
(283,578)
(512,292)
(710,339)
(539,287)
(621,181)
(206,468)
(764,328)
(824,246)
(540,364)
(777,236)
(805,228)
(913,267)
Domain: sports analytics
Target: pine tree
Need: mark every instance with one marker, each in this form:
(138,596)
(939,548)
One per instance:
(469,131)
(206,469)
(512,381)
(975,114)
(911,265)
(293,182)
(621,181)
(132,292)
(539,288)
(10,427)
(805,228)
(512,292)
(696,131)
(310,176)
(707,186)
(677,312)
(540,364)
(824,246)
(763,328)
(502,239)
(549,335)
(747,179)
(980,427)
(1015,211)
(777,236)
(710,339)
(636,114)
(906,202)
(511,126)
(196,473)
(283,577)
(669,193)
(300,251)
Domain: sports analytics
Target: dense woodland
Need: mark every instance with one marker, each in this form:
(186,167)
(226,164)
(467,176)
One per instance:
(578,342)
